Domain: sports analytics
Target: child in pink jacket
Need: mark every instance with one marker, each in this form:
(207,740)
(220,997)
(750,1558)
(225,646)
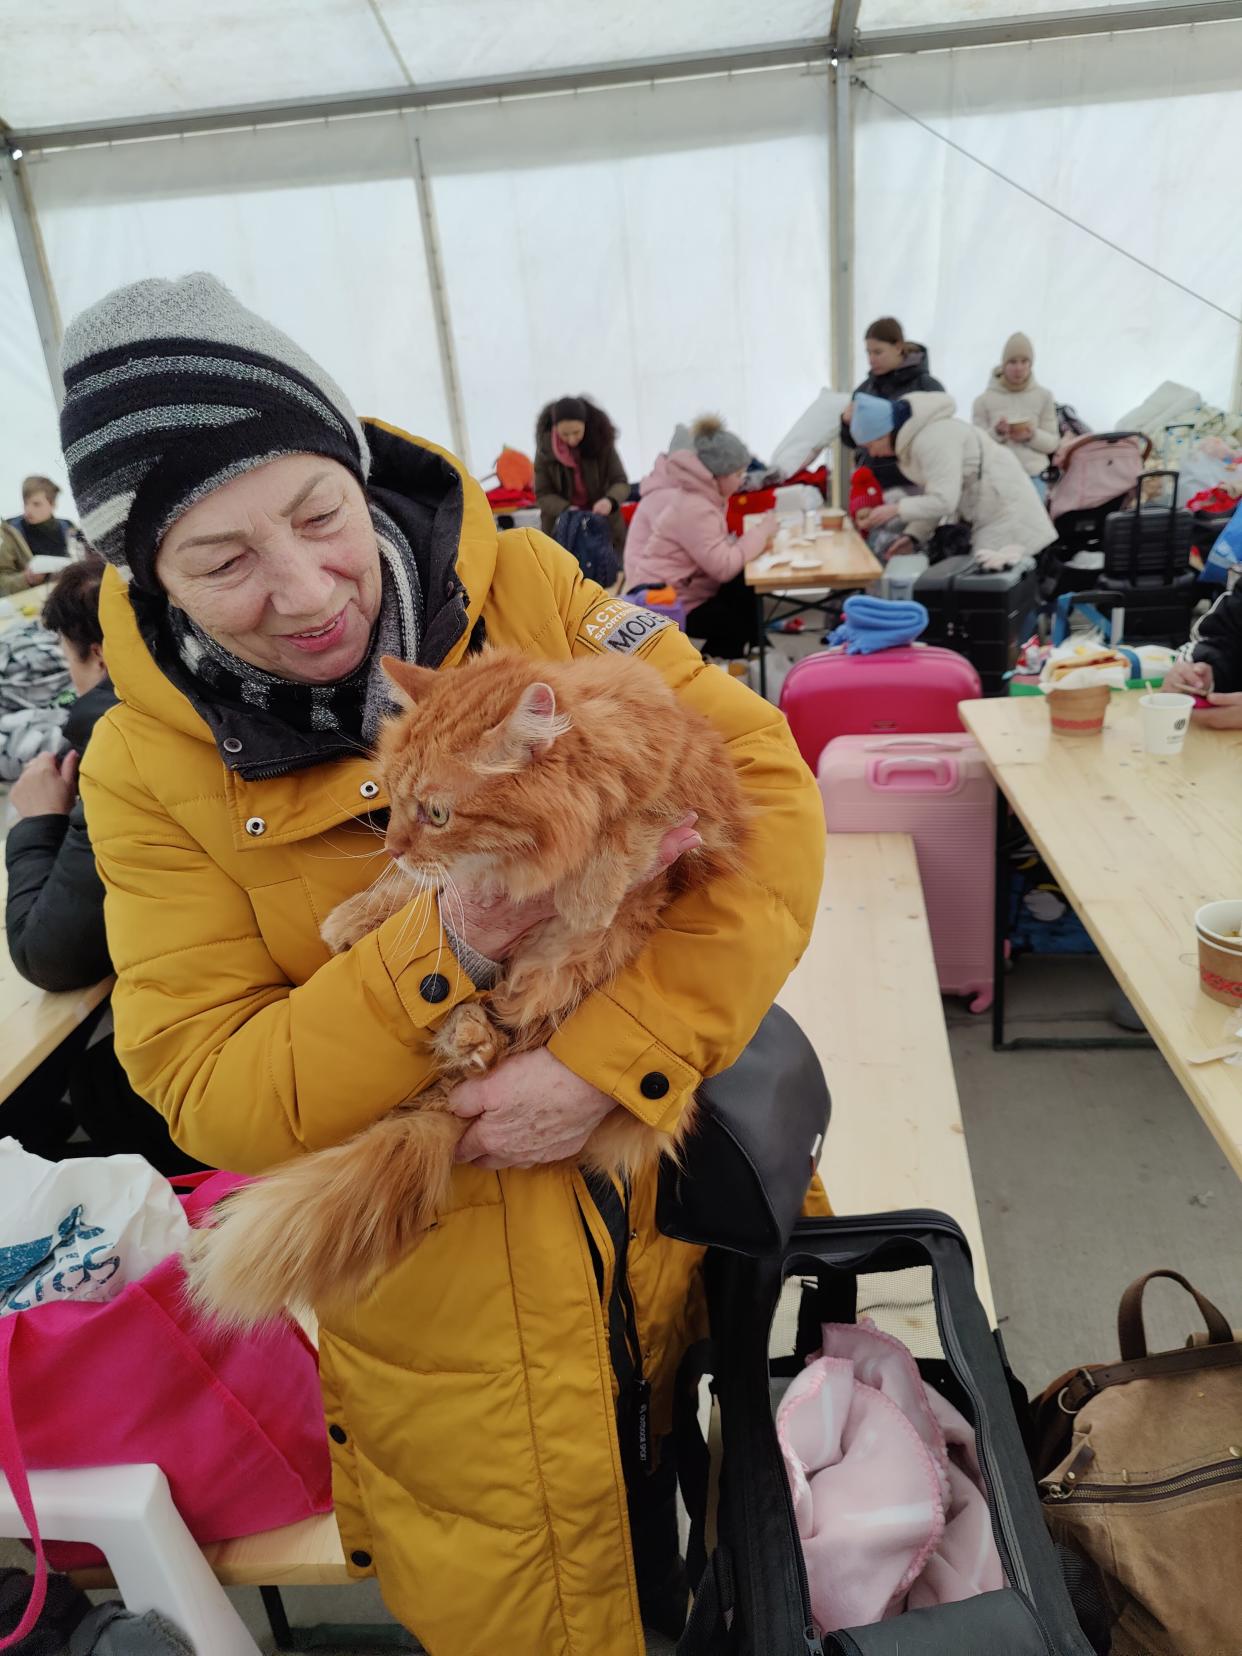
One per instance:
(679,538)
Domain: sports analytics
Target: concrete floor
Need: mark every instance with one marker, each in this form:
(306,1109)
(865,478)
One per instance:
(1091,1168)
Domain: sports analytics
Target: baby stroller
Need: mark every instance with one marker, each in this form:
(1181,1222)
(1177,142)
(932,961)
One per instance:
(1099,474)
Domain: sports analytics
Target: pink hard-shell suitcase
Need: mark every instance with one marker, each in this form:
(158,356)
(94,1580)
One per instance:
(937,789)
(912,689)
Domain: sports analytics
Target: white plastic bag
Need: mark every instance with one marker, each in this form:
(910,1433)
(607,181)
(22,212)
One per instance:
(81,1229)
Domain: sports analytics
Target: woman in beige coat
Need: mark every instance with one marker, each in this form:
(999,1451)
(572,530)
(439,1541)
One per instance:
(961,475)
(1018,412)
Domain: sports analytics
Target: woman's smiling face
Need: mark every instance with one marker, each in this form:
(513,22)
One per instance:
(281,567)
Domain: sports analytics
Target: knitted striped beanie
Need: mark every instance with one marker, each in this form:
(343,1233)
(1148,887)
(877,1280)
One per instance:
(173,388)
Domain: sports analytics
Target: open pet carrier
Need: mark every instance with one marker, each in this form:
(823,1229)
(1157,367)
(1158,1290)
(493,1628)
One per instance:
(909,1275)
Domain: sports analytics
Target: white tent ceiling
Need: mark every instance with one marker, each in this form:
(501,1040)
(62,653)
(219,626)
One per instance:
(663,245)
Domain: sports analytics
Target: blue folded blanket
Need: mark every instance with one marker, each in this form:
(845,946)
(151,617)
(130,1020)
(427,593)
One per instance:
(878,624)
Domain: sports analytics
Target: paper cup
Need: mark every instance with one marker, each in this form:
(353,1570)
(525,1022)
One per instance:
(1218,926)
(1078,712)
(1166,719)
(832,517)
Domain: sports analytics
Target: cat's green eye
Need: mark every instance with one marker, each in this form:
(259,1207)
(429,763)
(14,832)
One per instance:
(437,814)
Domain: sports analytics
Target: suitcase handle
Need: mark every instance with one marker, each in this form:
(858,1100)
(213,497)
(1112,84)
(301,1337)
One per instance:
(914,774)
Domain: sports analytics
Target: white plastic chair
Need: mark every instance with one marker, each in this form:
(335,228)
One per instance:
(128,1512)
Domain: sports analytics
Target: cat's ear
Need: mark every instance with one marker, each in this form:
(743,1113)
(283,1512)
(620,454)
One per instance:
(407,680)
(528,732)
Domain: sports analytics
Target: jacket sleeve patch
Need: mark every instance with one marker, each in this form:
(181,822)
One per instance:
(620,626)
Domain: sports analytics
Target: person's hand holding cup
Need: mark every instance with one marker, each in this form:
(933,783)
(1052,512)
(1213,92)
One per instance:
(1189,678)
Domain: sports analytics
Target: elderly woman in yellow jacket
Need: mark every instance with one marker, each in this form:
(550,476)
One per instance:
(268,549)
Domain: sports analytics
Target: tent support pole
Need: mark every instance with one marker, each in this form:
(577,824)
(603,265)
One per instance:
(439,299)
(842,244)
(15,187)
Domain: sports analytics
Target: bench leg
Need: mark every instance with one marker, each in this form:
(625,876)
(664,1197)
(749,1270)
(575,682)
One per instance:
(128,1512)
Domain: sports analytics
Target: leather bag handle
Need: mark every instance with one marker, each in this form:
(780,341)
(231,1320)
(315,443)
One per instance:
(1131,1335)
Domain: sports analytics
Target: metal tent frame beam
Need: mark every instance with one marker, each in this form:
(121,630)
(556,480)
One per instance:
(15,188)
(1125,19)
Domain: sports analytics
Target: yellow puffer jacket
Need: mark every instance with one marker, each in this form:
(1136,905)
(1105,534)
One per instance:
(469,1399)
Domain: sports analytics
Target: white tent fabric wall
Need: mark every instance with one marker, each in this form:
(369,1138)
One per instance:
(1123,132)
(663,249)
(29,433)
(316,227)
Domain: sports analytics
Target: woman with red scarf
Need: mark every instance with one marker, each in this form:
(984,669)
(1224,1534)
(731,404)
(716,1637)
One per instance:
(577,464)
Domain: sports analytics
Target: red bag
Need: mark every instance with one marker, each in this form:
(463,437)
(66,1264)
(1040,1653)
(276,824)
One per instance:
(235,1422)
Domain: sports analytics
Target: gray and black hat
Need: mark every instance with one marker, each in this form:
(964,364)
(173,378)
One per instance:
(173,388)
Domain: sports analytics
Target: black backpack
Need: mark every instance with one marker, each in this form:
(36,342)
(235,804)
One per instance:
(911,1273)
(589,538)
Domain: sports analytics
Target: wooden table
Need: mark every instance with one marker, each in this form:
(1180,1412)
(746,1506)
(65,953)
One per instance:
(843,561)
(1137,843)
(867,995)
(33,1023)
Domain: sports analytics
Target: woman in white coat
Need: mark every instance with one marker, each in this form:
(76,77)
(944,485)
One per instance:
(1019,412)
(962,476)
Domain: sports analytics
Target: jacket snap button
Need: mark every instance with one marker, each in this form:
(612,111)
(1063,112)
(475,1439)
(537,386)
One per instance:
(360,1558)
(368,790)
(336,1433)
(256,826)
(230,744)
(434,988)
(653,1085)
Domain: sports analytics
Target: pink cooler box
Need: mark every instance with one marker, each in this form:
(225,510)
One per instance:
(937,789)
(912,689)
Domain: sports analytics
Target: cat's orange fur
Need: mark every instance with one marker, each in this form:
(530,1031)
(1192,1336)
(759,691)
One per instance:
(558,776)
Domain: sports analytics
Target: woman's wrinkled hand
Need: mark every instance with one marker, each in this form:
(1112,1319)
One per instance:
(530,1110)
(496,925)
(881,515)
(603,507)
(46,787)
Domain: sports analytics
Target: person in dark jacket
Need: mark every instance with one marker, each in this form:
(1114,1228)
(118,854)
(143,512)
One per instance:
(896,366)
(577,464)
(40,530)
(1210,665)
(54,914)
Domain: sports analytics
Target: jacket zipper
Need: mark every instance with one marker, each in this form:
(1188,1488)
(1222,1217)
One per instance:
(1015,1566)
(1202,1477)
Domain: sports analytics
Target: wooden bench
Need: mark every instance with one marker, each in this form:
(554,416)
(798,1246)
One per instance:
(867,995)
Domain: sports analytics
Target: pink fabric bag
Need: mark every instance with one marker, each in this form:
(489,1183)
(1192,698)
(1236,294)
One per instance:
(886,1486)
(234,1422)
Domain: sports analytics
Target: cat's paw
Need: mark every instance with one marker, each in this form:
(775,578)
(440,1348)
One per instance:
(348,922)
(469,1041)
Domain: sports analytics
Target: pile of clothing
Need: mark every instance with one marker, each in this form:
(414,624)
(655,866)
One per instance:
(1177,420)
(35,695)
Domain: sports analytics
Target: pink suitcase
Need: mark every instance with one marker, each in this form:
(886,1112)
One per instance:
(910,690)
(937,789)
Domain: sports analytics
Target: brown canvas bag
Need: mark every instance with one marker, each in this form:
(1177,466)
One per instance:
(1140,1467)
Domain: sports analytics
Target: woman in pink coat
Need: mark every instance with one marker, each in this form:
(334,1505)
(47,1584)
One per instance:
(679,538)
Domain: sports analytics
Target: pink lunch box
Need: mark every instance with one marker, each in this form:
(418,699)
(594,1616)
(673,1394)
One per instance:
(937,789)
(912,689)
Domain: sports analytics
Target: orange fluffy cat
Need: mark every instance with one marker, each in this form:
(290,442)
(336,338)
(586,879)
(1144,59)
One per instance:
(524,778)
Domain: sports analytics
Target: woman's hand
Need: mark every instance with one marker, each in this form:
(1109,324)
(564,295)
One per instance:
(1225,712)
(34,577)
(603,507)
(1188,678)
(1002,430)
(862,517)
(881,515)
(46,787)
(528,1111)
(496,925)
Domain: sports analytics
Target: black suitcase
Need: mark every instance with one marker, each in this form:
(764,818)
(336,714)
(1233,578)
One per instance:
(911,1273)
(1147,559)
(985,616)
